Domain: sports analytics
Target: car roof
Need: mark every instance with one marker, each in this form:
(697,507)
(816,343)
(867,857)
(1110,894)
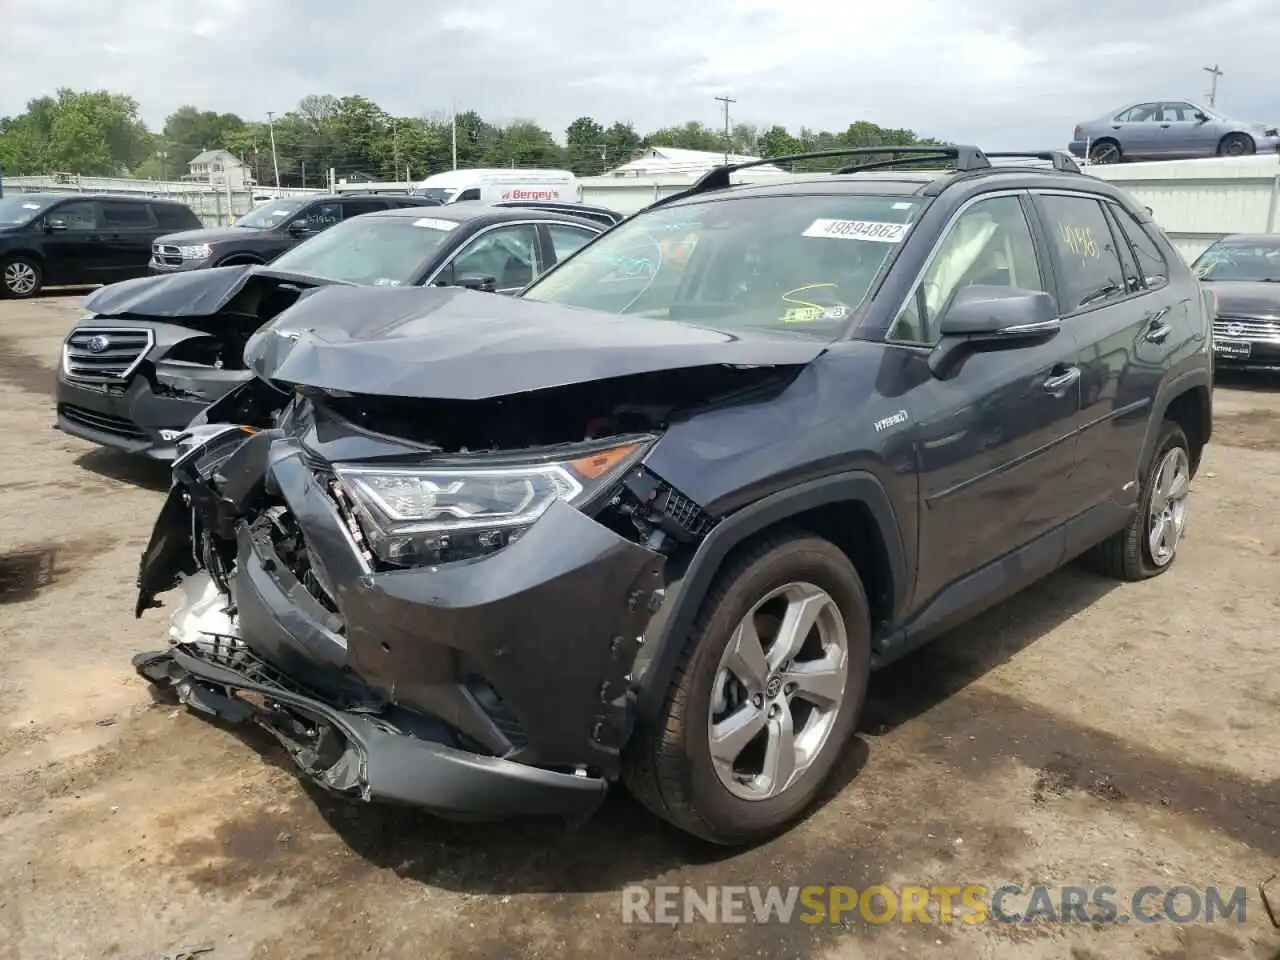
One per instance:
(1260,239)
(904,183)
(49,197)
(470,211)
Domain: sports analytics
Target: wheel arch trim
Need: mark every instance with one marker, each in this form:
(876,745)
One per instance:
(666,633)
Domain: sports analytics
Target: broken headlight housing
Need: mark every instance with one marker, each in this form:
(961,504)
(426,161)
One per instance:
(410,515)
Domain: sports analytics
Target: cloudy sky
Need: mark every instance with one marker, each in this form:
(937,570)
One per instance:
(1003,73)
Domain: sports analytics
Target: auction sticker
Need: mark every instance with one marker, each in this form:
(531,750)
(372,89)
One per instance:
(874,230)
(431,223)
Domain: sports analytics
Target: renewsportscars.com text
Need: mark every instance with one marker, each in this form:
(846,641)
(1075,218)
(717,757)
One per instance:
(956,903)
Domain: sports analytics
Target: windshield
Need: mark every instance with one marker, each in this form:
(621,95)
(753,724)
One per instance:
(18,210)
(1240,261)
(270,215)
(799,265)
(440,195)
(376,251)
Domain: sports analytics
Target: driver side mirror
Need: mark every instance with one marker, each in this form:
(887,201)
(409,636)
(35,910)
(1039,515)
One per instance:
(983,318)
(55,226)
(477,281)
(299,228)
(1201,116)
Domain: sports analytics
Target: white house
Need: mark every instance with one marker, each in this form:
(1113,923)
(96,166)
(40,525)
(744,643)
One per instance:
(221,167)
(660,161)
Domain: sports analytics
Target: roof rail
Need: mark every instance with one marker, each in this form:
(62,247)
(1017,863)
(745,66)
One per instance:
(1061,160)
(965,157)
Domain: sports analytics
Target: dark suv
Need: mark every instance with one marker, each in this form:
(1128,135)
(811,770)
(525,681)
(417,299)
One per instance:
(67,239)
(659,517)
(266,231)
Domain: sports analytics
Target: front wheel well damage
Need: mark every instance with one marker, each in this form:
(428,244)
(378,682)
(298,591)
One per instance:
(1191,410)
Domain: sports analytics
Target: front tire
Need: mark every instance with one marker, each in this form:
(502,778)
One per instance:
(1237,145)
(1148,546)
(766,693)
(20,277)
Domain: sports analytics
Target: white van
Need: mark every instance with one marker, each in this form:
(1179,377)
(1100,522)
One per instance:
(497,184)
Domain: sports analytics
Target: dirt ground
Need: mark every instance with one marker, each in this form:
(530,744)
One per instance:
(1084,733)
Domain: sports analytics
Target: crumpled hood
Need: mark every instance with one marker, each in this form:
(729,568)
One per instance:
(452,343)
(196,293)
(1242,298)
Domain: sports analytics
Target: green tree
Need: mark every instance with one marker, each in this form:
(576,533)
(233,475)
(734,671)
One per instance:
(522,144)
(777,142)
(690,136)
(585,147)
(620,142)
(189,131)
(90,132)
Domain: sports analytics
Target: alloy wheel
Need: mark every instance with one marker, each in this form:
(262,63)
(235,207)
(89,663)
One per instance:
(778,691)
(1167,516)
(19,278)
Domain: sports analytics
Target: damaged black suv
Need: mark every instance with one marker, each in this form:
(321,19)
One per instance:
(658,518)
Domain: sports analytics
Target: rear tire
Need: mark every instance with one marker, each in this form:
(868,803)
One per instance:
(1237,145)
(669,765)
(1105,151)
(20,277)
(1136,553)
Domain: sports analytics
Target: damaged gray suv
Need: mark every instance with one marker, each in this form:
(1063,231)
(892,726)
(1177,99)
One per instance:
(657,518)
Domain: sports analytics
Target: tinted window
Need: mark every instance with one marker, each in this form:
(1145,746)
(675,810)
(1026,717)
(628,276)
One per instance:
(321,216)
(565,240)
(1152,265)
(270,214)
(1132,275)
(173,217)
(799,265)
(1089,269)
(78,217)
(989,244)
(353,208)
(125,215)
(21,208)
(507,254)
(471,194)
(379,251)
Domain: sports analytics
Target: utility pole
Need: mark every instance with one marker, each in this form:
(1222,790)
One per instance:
(395,149)
(275,161)
(1213,87)
(726,101)
(453,124)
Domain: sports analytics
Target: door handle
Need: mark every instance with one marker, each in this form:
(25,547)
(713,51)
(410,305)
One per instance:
(1157,330)
(1115,126)
(1059,383)
(1164,126)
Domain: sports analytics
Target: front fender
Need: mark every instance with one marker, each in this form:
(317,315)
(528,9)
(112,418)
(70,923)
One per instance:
(667,631)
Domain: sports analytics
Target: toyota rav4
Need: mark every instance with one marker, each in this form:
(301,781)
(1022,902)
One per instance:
(658,518)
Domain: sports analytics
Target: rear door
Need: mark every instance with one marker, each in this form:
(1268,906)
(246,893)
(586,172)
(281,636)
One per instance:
(73,245)
(128,227)
(1117,303)
(1001,432)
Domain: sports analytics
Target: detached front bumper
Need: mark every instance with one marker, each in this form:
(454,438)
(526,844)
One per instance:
(133,416)
(353,755)
(497,686)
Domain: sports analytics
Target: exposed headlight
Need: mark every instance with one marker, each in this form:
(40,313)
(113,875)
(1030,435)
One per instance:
(412,515)
(196,251)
